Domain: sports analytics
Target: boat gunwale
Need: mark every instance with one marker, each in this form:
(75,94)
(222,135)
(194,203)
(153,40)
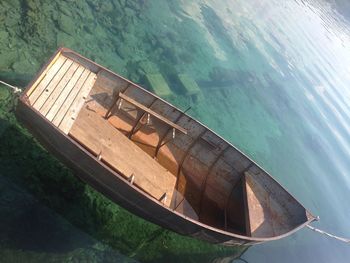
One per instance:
(24,98)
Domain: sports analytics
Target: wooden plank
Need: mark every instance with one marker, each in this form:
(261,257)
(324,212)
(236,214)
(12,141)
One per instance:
(188,84)
(87,63)
(59,88)
(117,151)
(151,112)
(158,84)
(43,74)
(71,97)
(62,99)
(47,77)
(52,85)
(79,101)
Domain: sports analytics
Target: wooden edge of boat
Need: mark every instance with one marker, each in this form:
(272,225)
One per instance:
(202,228)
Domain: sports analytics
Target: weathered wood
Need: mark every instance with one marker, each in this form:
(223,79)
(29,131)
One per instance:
(44,72)
(161,141)
(133,130)
(204,183)
(79,101)
(116,150)
(46,77)
(71,97)
(63,96)
(115,99)
(153,113)
(52,85)
(61,86)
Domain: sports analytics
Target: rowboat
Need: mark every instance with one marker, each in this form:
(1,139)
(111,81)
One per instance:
(152,158)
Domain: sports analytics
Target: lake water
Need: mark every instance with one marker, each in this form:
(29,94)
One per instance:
(274,79)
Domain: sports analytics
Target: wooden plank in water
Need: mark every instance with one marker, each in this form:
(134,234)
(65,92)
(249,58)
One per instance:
(78,102)
(158,84)
(188,84)
(117,151)
(61,86)
(47,77)
(43,74)
(62,98)
(52,85)
(153,113)
(71,97)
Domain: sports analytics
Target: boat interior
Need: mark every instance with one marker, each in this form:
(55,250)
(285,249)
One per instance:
(161,150)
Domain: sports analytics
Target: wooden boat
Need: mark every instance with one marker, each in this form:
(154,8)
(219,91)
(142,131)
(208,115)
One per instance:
(152,158)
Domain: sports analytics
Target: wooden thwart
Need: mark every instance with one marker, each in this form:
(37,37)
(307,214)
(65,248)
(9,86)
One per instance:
(151,112)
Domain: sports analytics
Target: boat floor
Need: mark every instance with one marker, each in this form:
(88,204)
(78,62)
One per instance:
(118,152)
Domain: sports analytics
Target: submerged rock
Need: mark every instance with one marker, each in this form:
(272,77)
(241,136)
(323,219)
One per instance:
(66,24)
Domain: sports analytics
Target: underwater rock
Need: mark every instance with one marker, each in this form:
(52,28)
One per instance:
(66,24)
(122,2)
(64,9)
(11,21)
(124,51)
(106,7)
(22,66)
(3,36)
(129,12)
(63,39)
(7,58)
(135,5)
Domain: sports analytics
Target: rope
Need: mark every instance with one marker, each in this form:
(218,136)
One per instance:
(15,89)
(328,234)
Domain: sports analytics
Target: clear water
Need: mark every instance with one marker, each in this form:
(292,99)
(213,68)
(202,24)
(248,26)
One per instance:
(274,78)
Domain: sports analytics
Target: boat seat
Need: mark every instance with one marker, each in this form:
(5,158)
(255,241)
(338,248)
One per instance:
(263,212)
(113,148)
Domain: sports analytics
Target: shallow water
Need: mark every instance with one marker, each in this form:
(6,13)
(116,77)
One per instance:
(274,79)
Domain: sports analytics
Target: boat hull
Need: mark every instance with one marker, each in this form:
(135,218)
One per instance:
(113,185)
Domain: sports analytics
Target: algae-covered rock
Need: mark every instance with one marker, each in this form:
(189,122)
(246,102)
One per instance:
(66,24)
(7,59)
(22,66)
(158,85)
(3,36)
(63,39)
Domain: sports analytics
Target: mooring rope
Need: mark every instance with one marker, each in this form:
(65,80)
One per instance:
(15,89)
(328,234)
